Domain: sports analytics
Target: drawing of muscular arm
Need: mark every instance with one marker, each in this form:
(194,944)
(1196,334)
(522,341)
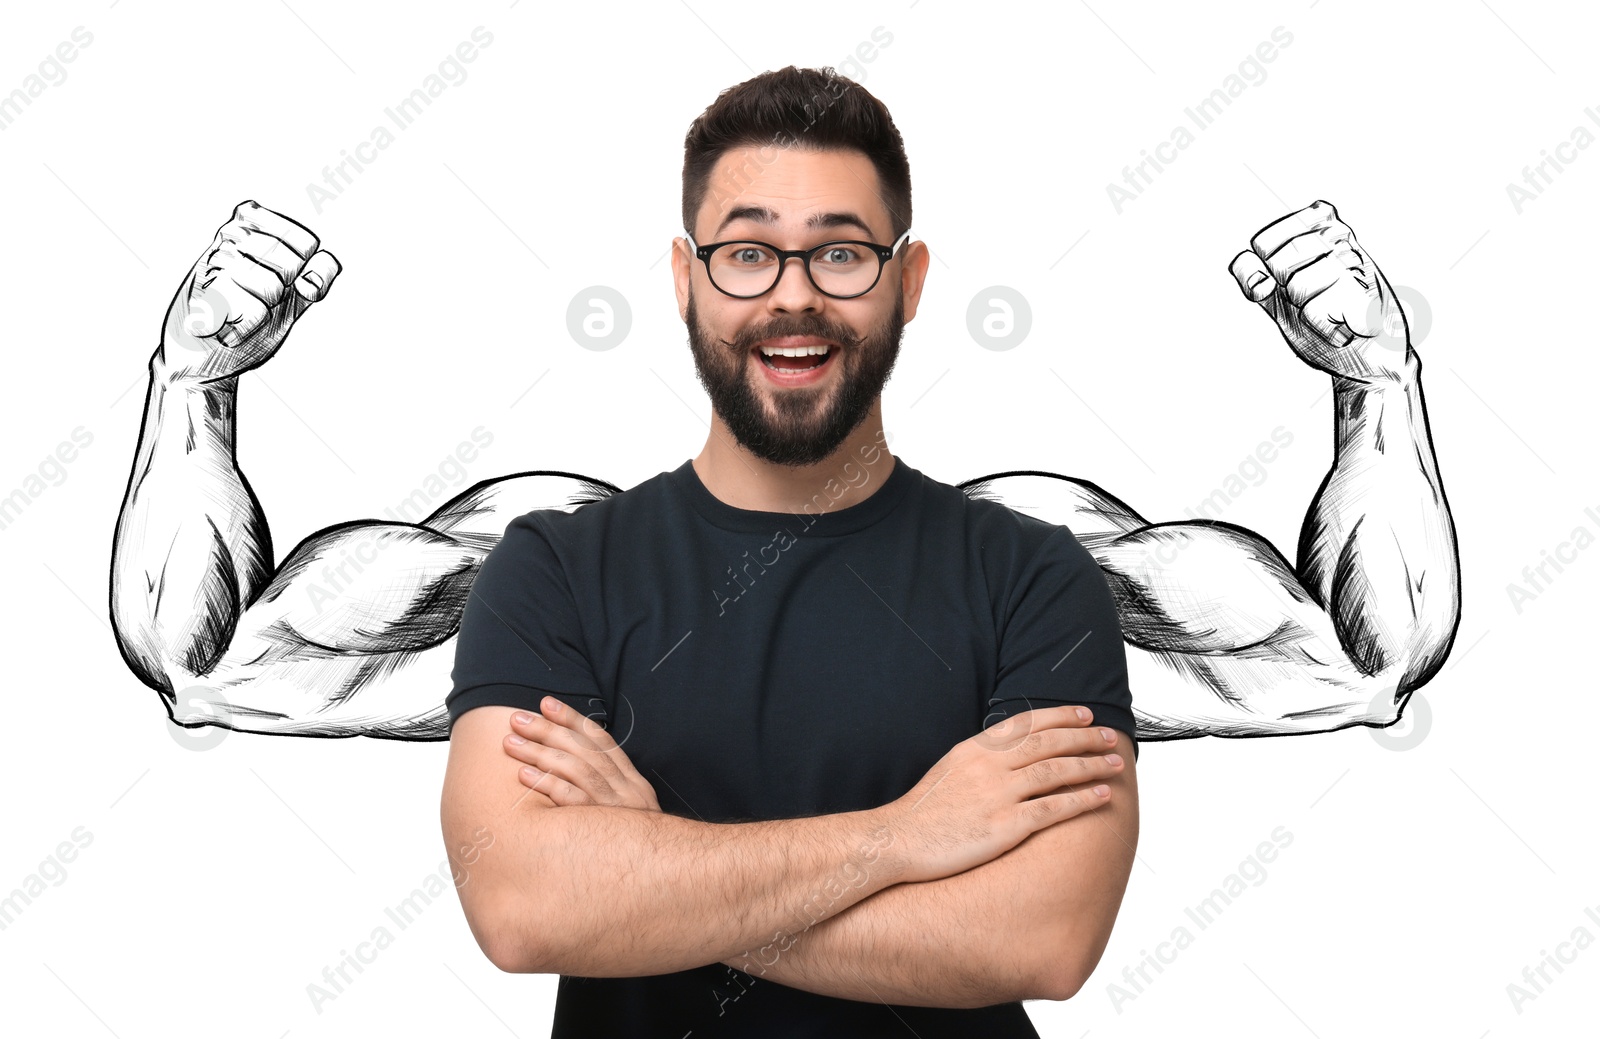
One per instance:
(1224,637)
(352,633)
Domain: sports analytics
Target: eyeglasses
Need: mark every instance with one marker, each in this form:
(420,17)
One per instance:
(747,269)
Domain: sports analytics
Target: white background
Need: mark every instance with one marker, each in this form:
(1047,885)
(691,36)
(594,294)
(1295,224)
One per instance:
(218,885)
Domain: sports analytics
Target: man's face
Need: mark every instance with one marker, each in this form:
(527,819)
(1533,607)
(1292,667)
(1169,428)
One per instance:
(793,425)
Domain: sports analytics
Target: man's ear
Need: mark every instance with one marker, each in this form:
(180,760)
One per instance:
(914,270)
(682,266)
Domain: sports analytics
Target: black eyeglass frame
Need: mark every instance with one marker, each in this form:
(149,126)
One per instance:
(885,253)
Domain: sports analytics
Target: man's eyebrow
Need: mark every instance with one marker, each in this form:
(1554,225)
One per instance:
(816,221)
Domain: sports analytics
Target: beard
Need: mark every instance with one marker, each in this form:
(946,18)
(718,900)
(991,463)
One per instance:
(796,426)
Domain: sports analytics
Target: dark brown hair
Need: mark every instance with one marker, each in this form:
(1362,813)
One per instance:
(798,108)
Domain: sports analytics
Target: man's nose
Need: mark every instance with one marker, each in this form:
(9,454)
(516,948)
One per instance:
(794,290)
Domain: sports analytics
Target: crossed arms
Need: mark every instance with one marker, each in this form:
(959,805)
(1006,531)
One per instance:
(817,903)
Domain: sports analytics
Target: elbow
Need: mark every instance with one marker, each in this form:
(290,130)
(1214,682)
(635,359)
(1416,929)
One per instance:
(1072,966)
(507,947)
(505,952)
(1060,984)
(509,956)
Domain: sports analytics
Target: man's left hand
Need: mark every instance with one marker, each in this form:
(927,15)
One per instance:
(577,761)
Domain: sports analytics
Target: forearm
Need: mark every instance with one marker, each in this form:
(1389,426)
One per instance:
(969,940)
(191,543)
(627,893)
(1378,547)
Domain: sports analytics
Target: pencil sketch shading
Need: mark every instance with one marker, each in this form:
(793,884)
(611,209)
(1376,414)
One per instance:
(353,632)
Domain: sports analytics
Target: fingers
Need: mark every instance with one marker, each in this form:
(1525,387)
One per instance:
(1317,216)
(579,779)
(542,730)
(1313,280)
(227,310)
(264,284)
(1287,246)
(1070,783)
(563,740)
(556,772)
(1307,253)
(561,720)
(1065,716)
(1051,774)
(272,253)
(1071,749)
(1012,732)
(1330,328)
(1069,803)
(1044,718)
(317,278)
(1255,281)
(1069,744)
(254,217)
(278,244)
(247,271)
(558,790)
(1318,249)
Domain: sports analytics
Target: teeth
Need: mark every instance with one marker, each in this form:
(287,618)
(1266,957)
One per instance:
(793,351)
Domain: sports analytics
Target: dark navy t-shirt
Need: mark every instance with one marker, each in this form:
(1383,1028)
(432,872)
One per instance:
(771,665)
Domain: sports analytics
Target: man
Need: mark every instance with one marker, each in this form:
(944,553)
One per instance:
(795,625)
(353,632)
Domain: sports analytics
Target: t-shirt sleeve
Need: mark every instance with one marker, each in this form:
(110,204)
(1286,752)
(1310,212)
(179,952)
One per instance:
(1061,643)
(520,637)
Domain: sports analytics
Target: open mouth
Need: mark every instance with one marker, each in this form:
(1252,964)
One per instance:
(801,359)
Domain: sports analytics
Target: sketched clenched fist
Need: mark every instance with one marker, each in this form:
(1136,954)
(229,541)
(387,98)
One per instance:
(1333,305)
(236,306)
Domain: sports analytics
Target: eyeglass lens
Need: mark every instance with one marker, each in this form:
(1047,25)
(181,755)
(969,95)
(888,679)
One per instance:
(751,268)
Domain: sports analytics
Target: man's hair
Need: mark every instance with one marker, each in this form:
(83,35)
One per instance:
(798,108)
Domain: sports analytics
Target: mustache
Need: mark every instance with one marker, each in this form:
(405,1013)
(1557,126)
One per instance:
(749,337)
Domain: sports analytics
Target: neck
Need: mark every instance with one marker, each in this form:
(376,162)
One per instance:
(855,471)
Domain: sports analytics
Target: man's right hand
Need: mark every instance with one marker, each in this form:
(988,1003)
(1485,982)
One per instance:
(237,304)
(992,790)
